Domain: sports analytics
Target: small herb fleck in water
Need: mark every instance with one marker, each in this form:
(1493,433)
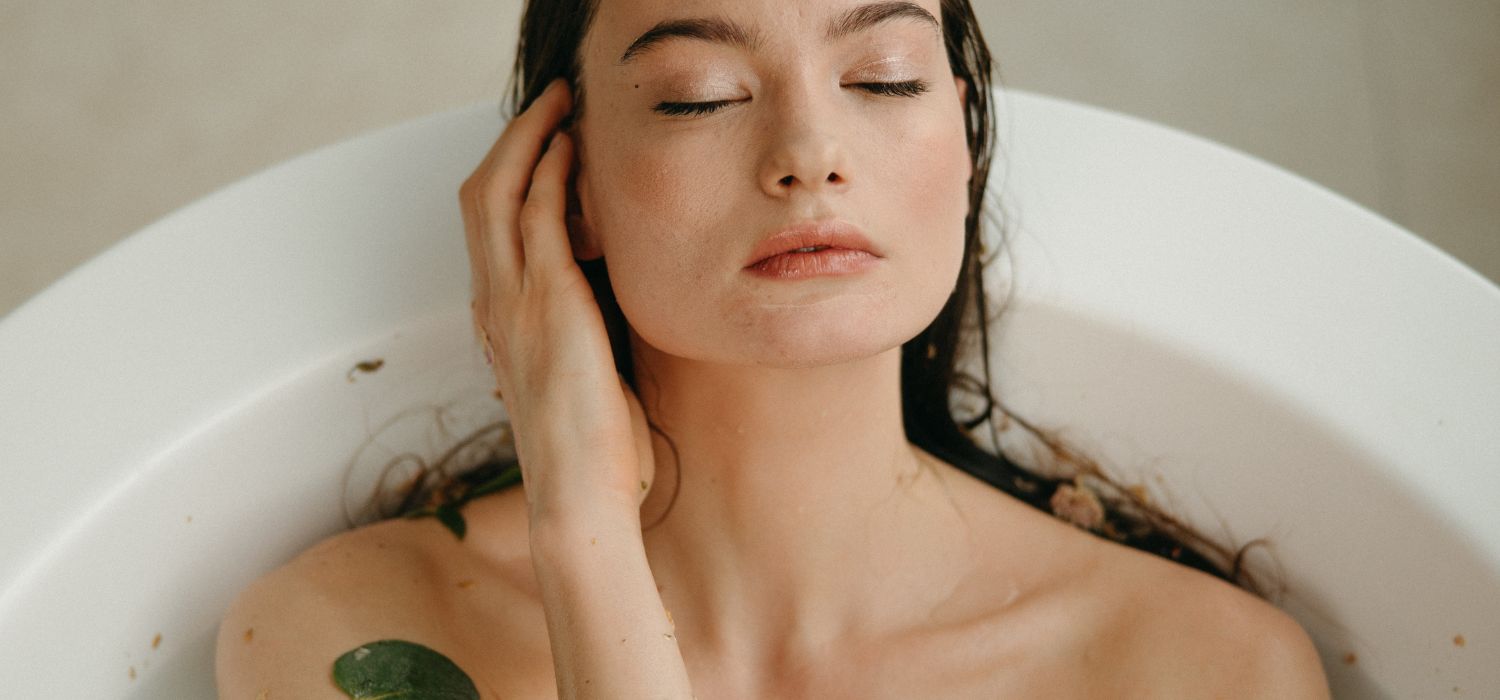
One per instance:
(367,367)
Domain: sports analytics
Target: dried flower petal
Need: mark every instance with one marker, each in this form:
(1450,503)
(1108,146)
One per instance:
(1078,505)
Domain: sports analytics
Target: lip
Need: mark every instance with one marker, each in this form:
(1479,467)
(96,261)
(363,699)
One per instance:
(823,263)
(836,235)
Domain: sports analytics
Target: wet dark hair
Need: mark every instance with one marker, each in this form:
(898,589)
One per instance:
(1074,489)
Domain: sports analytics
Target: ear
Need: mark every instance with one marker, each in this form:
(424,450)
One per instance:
(963,101)
(581,235)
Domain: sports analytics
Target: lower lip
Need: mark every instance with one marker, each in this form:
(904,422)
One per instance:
(829,261)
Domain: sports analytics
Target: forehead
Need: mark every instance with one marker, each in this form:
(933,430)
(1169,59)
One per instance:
(622,30)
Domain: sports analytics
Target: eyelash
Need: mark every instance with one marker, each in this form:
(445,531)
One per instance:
(906,88)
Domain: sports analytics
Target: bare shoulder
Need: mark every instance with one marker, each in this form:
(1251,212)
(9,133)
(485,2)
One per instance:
(282,633)
(398,579)
(1194,635)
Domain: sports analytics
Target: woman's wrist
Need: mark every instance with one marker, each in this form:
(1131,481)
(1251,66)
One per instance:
(610,634)
(557,519)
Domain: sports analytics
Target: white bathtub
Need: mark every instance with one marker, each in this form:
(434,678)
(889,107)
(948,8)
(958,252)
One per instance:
(177,416)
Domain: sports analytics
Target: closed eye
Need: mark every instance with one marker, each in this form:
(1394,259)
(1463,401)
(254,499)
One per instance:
(905,88)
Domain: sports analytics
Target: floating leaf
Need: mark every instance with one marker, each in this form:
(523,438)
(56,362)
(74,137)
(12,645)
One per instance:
(506,478)
(451,518)
(447,503)
(393,669)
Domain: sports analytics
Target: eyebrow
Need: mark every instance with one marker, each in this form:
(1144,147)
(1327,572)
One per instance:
(725,31)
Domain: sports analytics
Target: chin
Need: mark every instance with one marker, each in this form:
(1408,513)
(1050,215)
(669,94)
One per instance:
(799,338)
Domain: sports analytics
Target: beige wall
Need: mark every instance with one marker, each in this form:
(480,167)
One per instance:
(1394,104)
(115,114)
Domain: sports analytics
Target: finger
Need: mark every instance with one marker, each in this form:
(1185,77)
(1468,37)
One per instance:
(478,257)
(494,247)
(543,217)
(515,154)
(477,235)
(491,197)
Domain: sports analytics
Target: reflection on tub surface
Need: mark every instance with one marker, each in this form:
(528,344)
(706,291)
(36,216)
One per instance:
(1389,581)
(1369,570)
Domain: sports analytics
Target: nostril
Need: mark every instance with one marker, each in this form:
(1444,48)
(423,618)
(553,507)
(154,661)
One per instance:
(786,181)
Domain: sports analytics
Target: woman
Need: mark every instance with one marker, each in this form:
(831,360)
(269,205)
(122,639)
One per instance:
(788,197)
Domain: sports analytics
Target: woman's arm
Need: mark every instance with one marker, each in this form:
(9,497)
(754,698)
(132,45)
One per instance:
(581,437)
(610,635)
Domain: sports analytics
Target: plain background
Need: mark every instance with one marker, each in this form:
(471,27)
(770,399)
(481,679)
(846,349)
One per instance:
(115,114)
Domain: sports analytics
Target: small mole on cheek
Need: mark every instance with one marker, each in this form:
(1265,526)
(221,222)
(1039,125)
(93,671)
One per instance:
(637,87)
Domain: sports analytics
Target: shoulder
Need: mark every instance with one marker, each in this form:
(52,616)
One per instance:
(282,634)
(1189,634)
(1134,624)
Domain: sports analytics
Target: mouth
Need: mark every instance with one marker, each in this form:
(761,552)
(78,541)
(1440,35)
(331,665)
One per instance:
(813,249)
(812,238)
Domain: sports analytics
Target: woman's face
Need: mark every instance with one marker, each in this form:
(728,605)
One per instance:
(678,202)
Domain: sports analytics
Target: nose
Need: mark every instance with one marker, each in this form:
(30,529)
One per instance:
(804,153)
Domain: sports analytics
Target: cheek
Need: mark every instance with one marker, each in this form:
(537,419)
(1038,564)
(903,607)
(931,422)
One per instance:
(933,198)
(649,221)
(935,165)
(658,193)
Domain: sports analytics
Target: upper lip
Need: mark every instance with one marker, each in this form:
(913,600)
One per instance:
(831,234)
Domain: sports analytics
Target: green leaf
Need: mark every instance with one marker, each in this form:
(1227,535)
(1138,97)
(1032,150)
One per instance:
(392,669)
(502,480)
(449,515)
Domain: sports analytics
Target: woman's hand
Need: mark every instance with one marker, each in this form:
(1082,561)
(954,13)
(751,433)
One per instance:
(580,433)
(581,436)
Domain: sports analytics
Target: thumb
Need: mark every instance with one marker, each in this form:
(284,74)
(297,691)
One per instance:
(582,239)
(580,235)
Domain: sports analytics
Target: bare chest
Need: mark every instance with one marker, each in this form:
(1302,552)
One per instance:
(1049,658)
(901,680)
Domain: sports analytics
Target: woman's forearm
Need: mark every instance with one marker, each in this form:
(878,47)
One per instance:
(610,634)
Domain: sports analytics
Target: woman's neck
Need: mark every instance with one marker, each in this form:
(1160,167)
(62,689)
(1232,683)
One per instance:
(803,517)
